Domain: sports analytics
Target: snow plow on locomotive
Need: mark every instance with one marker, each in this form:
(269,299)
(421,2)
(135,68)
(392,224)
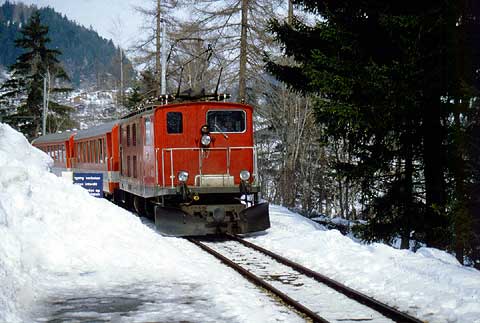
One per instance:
(191,166)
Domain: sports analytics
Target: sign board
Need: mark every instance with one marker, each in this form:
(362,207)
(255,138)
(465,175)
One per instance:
(92,182)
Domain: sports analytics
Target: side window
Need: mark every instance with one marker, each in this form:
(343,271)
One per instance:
(91,155)
(97,151)
(100,147)
(134,166)
(128,136)
(134,134)
(174,122)
(148,132)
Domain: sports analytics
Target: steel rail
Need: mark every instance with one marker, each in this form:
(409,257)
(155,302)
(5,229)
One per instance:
(260,282)
(368,301)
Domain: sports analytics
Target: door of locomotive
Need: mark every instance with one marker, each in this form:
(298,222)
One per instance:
(148,153)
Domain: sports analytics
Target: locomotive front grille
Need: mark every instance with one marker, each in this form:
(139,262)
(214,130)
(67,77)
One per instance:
(214,180)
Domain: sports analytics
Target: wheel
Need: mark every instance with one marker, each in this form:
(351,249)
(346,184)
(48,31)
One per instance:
(139,205)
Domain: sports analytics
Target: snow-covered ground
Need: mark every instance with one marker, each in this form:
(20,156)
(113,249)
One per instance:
(429,284)
(66,254)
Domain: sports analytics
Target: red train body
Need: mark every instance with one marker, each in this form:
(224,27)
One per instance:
(192,166)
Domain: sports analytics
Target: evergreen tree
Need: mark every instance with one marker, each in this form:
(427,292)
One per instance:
(134,99)
(36,64)
(388,80)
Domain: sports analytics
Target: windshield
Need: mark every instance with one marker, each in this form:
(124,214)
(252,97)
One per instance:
(226,120)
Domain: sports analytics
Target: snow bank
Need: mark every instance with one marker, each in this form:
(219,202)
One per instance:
(429,284)
(63,251)
(52,229)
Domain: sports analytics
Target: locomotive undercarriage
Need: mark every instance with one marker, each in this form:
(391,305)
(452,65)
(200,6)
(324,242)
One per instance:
(202,219)
(193,212)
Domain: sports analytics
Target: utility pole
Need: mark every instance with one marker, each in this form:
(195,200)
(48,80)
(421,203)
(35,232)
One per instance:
(45,102)
(121,76)
(157,53)
(242,82)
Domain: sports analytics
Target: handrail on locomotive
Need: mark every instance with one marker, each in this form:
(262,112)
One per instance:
(200,152)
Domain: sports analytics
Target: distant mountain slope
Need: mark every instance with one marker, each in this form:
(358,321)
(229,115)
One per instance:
(88,58)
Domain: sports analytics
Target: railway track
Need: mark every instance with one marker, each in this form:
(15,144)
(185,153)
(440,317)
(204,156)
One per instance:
(315,296)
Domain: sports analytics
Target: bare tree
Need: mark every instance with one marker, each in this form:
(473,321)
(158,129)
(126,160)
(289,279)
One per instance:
(237,31)
(295,164)
(159,14)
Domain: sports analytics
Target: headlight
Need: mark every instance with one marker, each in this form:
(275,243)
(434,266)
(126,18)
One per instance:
(205,129)
(244,175)
(182,176)
(206,140)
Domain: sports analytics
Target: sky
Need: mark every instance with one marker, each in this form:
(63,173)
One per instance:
(112,19)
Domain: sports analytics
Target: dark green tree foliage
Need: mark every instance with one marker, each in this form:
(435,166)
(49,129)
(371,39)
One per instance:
(134,99)
(142,90)
(36,63)
(469,239)
(386,76)
(473,188)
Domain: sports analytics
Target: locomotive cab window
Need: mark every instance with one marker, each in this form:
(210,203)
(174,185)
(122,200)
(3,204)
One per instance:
(174,122)
(226,120)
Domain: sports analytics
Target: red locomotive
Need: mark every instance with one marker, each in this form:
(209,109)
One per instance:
(192,166)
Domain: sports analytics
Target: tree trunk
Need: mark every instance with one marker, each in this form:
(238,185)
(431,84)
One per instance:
(242,82)
(290,12)
(433,158)
(461,221)
(346,208)
(408,207)
(158,48)
(340,195)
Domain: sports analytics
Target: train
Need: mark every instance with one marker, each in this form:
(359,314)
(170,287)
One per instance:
(191,166)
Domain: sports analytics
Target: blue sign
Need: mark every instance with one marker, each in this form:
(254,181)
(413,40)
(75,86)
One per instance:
(92,182)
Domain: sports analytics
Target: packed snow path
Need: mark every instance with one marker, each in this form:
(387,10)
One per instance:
(56,240)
